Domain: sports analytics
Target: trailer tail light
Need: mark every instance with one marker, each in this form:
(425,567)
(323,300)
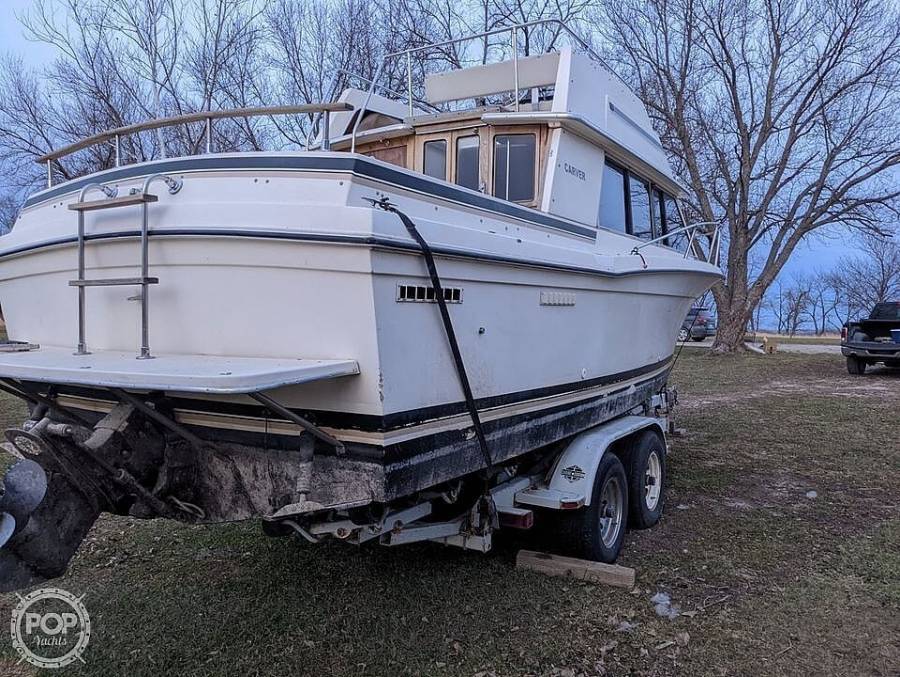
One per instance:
(515,518)
(571,503)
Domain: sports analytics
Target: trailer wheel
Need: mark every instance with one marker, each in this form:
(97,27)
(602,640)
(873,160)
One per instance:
(597,531)
(856,366)
(646,469)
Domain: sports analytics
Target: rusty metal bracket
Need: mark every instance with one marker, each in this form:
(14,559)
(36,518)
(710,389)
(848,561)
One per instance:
(162,419)
(309,427)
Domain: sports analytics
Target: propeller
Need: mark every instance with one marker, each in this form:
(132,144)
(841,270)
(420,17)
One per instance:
(24,487)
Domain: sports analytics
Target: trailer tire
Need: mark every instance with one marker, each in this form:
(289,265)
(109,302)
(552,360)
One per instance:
(646,469)
(855,366)
(597,531)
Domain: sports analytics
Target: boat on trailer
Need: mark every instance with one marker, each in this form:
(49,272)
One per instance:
(449,313)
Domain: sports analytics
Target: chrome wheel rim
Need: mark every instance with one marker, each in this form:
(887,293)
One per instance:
(652,481)
(683,335)
(612,505)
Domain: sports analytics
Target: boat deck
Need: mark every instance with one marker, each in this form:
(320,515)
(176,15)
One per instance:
(170,373)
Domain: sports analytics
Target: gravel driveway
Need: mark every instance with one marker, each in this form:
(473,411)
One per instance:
(805,348)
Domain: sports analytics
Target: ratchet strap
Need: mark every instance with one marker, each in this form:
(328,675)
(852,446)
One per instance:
(385,204)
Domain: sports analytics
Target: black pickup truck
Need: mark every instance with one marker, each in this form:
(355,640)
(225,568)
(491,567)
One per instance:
(871,340)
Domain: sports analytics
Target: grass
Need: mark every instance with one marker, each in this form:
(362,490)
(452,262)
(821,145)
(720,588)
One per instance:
(773,582)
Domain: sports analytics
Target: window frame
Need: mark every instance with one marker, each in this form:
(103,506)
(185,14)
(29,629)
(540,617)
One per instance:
(456,137)
(487,160)
(657,206)
(626,197)
(494,165)
(629,211)
(444,139)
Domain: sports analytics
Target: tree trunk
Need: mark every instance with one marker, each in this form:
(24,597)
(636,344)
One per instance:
(733,308)
(731,331)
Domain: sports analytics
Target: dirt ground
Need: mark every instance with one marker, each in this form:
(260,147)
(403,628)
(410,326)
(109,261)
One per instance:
(780,549)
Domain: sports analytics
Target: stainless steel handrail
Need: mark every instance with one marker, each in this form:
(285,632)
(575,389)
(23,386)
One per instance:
(173,185)
(116,134)
(512,30)
(110,192)
(714,242)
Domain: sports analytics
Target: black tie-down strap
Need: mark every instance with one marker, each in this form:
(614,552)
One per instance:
(383,203)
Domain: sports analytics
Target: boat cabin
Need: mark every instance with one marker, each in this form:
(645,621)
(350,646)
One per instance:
(575,142)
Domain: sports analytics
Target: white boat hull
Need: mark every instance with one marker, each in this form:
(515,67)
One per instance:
(246,273)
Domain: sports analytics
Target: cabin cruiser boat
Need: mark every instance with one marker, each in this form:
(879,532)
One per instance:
(437,287)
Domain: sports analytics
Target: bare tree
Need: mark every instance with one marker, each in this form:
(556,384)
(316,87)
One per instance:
(120,62)
(789,301)
(871,277)
(8,213)
(782,117)
(825,299)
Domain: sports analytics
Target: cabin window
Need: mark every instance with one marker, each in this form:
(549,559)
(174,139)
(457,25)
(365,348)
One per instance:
(640,208)
(467,162)
(657,212)
(671,221)
(372,120)
(612,199)
(435,163)
(514,163)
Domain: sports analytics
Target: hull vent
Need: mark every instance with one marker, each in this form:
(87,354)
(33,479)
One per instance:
(418,293)
(557,298)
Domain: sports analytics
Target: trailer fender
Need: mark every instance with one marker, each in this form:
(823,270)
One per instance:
(576,468)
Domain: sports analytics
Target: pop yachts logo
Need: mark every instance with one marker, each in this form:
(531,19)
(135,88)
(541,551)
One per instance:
(50,628)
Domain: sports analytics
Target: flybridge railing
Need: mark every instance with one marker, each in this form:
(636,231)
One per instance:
(115,135)
(693,244)
(513,31)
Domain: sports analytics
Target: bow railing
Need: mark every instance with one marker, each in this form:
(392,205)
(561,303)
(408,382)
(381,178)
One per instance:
(693,243)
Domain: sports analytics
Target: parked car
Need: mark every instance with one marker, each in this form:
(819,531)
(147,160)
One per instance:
(874,339)
(699,324)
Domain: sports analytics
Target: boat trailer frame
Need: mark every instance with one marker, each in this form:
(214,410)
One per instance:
(509,504)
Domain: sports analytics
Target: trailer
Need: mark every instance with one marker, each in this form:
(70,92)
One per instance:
(585,491)
(580,492)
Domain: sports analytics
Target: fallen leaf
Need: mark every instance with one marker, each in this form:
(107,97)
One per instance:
(625,626)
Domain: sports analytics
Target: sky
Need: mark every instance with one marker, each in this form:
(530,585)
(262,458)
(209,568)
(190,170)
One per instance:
(820,253)
(11,37)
